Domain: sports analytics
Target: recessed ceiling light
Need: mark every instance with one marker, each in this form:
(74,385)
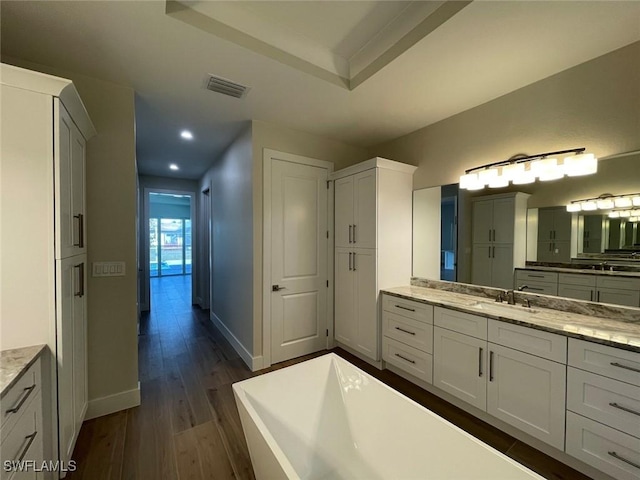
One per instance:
(186,134)
(173,166)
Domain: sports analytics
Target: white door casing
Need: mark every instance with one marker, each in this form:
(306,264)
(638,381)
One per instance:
(296,316)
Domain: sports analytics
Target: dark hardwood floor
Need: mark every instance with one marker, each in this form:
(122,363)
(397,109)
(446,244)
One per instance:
(187,426)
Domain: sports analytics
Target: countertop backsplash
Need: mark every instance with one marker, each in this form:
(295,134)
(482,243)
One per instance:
(600,310)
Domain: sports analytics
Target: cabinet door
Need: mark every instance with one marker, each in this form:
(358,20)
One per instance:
(365,209)
(527,392)
(366,304)
(545,224)
(78,191)
(345,318)
(503,220)
(545,252)
(561,226)
(80,392)
(65,224)
(460,366)
(481,262)
(482,221)
(68,289)
(561,252)
(502,266)
(343,190)
(578,292)
(628,298)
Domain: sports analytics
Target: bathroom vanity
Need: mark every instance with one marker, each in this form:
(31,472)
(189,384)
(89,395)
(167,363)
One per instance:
(566,383)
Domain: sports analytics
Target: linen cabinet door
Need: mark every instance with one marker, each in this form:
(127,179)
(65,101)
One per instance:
(366,304)
(481,264)
(527,392)
(345,316)
(65,224)
(460,366)
(343,191)
(78,191)
(502,266)
(365,209)
(503,220)
(483,221)
(68,287)
(80,393)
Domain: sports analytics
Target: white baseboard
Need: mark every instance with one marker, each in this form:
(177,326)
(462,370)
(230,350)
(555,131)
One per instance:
(254,363)
(99,407)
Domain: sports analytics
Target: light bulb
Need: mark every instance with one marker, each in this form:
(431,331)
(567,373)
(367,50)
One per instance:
(635,201)
(574,207)
(547,169)
(470,180)
(625,213)
(614,214)
(589,205)
(578,165)
(622,202)
(605,203)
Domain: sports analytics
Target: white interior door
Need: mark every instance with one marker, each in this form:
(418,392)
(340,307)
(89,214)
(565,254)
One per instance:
(299,254)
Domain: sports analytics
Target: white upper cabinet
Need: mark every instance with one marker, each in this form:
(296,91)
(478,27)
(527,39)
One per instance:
(355,217)
(499,238)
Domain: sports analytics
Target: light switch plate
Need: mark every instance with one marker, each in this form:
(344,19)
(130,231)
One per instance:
(108,269)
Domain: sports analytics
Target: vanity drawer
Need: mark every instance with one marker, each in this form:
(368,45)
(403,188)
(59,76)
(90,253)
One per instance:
(586,280)
(619,283)
(536,276)
(604,360)
(19,394)
(592,396)
(542,288)
(411,360)
(460,322)
(408,308)
(409,331)
(529,340)
(25,437)
(603,447)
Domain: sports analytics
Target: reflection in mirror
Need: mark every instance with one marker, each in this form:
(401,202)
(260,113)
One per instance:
(435,232)
(552,234)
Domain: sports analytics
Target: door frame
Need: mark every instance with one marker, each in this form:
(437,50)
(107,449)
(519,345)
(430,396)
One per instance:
(203,278)
(194,240)
(268,156)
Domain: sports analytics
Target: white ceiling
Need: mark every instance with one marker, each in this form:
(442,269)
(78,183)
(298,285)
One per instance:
(486,50)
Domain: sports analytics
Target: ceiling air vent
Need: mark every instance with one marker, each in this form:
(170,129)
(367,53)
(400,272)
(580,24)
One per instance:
(224,86)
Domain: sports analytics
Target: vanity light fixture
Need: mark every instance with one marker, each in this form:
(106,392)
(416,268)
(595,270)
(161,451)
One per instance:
(606,201)
(523,169)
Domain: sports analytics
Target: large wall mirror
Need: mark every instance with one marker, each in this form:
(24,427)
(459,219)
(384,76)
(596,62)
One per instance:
(443,228)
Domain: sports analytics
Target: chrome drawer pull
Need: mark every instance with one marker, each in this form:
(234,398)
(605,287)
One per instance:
(27,392)
(405,331)
(31,438)
(620,407)
(534,276)
(622,459)
(406,308)
(480,362)
(404,358)
(616,364)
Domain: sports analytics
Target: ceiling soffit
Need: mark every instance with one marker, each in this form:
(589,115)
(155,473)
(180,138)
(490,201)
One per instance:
(347,61)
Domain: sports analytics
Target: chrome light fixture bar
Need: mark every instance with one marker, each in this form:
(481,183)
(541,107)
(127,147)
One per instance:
(606,201)
(523,169)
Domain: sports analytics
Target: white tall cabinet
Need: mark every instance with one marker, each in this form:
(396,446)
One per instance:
(499,235)
(373,205)
(43,240)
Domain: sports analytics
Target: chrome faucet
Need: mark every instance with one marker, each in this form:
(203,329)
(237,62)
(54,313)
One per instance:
(521,288)
(603,265)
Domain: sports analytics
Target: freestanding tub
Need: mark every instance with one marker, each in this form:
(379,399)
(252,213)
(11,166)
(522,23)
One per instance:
(327,419)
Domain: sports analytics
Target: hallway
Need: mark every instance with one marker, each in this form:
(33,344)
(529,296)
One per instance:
(187,426)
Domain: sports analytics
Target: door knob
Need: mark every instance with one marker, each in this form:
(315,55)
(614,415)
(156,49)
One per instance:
(277,288)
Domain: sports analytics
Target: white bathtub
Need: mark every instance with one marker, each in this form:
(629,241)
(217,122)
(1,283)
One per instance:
(325,418)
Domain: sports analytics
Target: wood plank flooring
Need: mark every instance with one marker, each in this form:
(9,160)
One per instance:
(187,426)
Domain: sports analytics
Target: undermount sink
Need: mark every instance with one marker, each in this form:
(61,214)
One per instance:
(500,308)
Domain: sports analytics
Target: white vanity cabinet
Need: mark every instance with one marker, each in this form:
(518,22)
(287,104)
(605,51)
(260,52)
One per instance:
(600,288)
(373,221)
(545,283)
(498,238)
(44,130)
(407,342)
(603,408)
(22,431)
(514,373)
(526,382)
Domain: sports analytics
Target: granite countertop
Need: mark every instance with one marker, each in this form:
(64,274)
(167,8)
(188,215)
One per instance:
(14,362)
(581,271)
(615,333)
